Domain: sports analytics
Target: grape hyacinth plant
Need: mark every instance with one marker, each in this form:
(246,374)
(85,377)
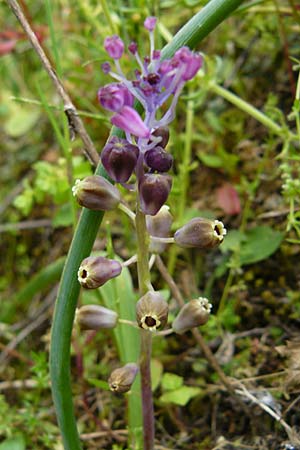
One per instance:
(140,162)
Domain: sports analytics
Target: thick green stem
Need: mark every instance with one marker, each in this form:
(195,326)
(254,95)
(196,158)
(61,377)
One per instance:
(146,336)
(62,327)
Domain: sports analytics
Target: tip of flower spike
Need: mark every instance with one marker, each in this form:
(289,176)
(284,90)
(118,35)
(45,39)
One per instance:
(150,23)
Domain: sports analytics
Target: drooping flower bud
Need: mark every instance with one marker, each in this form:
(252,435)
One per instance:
(164,134)
(114,97)
(122,379)
(152,311)
(94,271)
(158,159)
(119,158)
(95,192)
(129,120)
(200,233)
(193,314)
(150,23)
(154,190)
(95,317)
(159,226)
(114,46)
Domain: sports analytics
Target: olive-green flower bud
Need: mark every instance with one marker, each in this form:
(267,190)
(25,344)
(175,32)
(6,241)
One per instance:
(193,314)
(152,311)
(159,226)
(96,193)
(95,317)
(94,271)
(121,379)
(200,233)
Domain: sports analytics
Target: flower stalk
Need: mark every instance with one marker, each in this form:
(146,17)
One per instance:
(146,335)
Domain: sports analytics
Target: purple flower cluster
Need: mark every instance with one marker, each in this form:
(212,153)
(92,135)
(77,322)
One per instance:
(143,151)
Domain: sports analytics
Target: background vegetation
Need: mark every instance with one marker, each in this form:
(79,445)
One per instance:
(231,162)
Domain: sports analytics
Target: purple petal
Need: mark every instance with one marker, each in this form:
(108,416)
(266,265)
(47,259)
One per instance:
(114,46)
(150,23)
(130,121)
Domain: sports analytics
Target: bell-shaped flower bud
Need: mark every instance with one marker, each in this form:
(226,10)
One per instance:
(154,190)
(164,134)
(95,317)
(119,158)
(152,311)
(150,23)
(129,120)
(200,233)
(94,271)
(95,192)
(158,159)
(114,97)
(193,314)
(122,379)
(159,226)
(114,46)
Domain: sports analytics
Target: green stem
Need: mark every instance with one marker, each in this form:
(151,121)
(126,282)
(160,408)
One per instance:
(107,15)
(146,336)
(62,327)
(247,108)
(191,34)
(183,176)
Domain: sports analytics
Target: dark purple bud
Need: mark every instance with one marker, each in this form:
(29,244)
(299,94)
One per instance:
(114,97)
(95,317)
(150,23)
(192,314)
(158,159)
(105,67)
(129,120)
(96,193)
(94,271)
(119,158)
(159,226)
(156,54)
(132,47)
(163,133)
(200,233)
(121,379)
(114,46)
(190,61)
(152,311)
(154,190)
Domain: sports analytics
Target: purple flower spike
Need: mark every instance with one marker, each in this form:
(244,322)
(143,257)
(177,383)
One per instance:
(114,46)
(114,97)
(119,158)
(158,159)
(154,190)
(191,62)
(150,23)
(131,122)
